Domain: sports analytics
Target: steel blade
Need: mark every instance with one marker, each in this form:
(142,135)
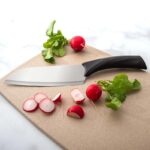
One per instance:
(48,76)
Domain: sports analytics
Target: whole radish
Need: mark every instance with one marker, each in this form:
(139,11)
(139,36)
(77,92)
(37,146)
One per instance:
(93,92)
(77,43)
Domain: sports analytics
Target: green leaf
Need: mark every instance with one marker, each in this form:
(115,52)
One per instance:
(56,52)
(48,56)
(136,85)
(46,45)
(56,44)
(61,52)
(49,31)
(118,88)
(104,84)
(114,104)
(120,96)
(59,32)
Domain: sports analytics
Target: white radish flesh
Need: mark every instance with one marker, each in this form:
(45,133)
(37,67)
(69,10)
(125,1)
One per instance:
(73,115)
(77,96)
(46,105)
(57,98)
(75,112)
(40,96)
(30,105)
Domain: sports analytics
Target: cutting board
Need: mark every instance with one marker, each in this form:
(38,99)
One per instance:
(101,128)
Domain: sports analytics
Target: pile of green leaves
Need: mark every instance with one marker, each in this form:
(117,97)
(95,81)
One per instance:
(117,89)
(54,46)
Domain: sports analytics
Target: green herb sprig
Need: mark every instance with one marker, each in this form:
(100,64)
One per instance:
(117,89)
(54,46)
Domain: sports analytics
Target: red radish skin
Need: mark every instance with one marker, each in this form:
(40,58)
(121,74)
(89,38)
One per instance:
(30,105)
(77,96)
(46,105)
(40,96)
(57,98)
(75,111)
(93,92)
(77,43)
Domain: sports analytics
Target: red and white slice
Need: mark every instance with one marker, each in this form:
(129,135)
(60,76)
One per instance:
(40,96)
(75,111)
(77,96)
(57,98)
(30,105)
(46,105)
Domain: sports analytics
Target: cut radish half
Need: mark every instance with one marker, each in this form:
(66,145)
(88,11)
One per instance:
(40,96)
(46,105)
(77,96)
(30,105)
(57,98)
(75,112)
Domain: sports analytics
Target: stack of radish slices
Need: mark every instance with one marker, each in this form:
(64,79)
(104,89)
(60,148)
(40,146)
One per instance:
(41,100)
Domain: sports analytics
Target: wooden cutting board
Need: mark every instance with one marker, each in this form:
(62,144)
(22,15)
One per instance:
(101,128)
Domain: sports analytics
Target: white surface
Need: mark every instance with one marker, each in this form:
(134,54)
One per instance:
(118,27)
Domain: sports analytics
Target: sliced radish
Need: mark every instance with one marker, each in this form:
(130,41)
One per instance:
(40,96)
(46,105)
(75,112)
(77,96)
(30,105)
(57,98)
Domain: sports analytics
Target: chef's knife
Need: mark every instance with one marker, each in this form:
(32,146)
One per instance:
(71,74)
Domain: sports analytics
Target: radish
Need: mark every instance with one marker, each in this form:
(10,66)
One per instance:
(40,96)
(93,92)
(46,105)
(77,96)
(75,111)
(77,43)
(57,98)
(30,105)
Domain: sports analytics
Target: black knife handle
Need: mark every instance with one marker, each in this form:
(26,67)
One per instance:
(93,66)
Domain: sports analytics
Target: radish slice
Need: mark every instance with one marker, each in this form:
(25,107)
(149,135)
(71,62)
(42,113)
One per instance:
(57,98)
(46,105)
(30,105)
(77,96)
(40,96)
(75,112)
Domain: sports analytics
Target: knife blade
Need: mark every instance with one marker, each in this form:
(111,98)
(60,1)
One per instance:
(71,74)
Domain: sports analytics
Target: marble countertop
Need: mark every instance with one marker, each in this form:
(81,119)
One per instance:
(117,27)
